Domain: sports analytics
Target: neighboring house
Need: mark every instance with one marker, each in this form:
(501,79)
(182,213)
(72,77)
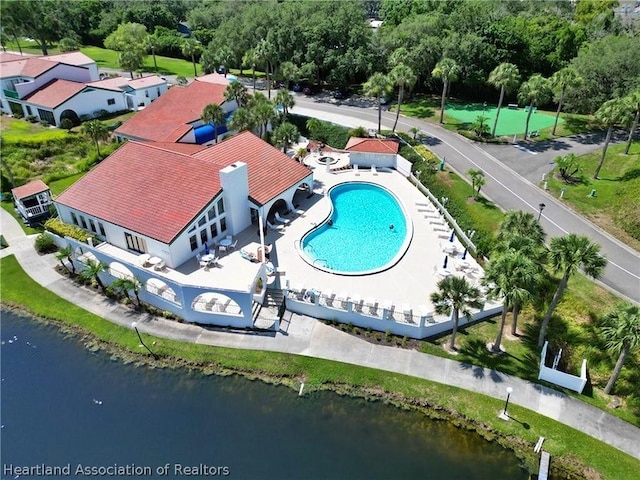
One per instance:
(32,201)
(372,151)
(68,85)
(169,200)
(175,117)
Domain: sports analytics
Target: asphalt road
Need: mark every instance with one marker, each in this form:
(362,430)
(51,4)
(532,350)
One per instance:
(510,172)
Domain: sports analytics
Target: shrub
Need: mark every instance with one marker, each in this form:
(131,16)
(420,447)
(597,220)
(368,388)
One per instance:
(32,119)
(57,226)
(66,124)
(44,123)
(45,244)
(18,115)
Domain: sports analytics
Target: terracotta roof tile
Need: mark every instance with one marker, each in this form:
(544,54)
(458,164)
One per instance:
(28,189)
(146,82)
(28,67)
(270,171)
(70,58)
(11,57)
(54,93)
(165,119)
(145,189)
(372,145)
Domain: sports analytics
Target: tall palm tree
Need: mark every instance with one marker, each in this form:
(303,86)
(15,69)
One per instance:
(242,120)
(611,113)
(634,105)
(446,70)
(264,113)
(238,92)
(96,131)
(621,331)
(250,59)
(63,254)
(286,101)
(285,135)
(92,271)
(215,115)
(563,80)
(264,53)
(457,294)
(403,76)
(377,86)
(517,222)
(568,254)
(505,77)
(534,91)
(191,48)
(512,277)
(151,44)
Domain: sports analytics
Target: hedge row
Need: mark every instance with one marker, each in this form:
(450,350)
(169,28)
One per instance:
(57,226)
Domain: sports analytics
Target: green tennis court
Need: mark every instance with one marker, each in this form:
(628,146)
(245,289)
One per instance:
(511,121)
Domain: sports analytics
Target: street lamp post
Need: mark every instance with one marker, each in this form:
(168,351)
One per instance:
(134,325)
(540,208)
(504,415)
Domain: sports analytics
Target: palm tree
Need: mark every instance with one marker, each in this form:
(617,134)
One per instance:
(611,113)
(510,276)
(414,131)
(151,44)
(262,111)
(92,271)
(564,79)
(534,91)
(377,86)
(505,77)
(517,222)
(285,135)
(286,101)
(477,181)
(96,130)
(621,331)
(63,254)
(125,285)
(215,115)
(568,254)
(479,126)
(264,52)
(457,294)
(242,120)
(404,77)
(250,59)
(634,105)
(290,71)
(447,70)
(238,92)
(191,48)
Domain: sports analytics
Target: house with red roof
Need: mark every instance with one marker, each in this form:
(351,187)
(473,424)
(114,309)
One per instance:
(51,88)
(175,117)
(32,201)
(365,152)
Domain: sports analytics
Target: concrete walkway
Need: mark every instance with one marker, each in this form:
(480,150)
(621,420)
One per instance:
(306,336)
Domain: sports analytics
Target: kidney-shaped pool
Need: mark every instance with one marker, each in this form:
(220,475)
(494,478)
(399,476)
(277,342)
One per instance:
(367,231)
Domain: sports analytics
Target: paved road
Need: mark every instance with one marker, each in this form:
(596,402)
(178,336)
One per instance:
(306,336)
(505,186)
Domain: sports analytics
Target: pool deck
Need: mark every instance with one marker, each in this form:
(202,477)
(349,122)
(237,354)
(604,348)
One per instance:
(408,282)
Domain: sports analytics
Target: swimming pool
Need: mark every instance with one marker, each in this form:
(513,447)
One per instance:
(366,232)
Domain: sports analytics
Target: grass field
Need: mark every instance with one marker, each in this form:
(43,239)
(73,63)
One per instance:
(564,443)
(615,207)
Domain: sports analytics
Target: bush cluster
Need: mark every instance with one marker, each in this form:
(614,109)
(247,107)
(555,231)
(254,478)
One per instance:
(57,226)
(44,244)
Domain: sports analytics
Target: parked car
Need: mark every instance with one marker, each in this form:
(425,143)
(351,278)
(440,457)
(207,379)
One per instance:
(222,70)
(341,93)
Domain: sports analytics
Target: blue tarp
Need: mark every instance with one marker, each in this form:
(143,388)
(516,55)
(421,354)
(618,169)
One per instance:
(205,133)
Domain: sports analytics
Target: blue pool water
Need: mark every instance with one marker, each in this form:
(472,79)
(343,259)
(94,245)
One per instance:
(358,238)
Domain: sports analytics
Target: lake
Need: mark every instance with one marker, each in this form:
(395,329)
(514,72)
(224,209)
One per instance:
(66,407)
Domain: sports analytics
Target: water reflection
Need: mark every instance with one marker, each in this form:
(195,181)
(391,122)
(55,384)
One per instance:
(62,404)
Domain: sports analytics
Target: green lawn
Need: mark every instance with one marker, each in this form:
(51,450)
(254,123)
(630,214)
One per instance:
(461,407)
(8,206)
(615,204)
(18,131)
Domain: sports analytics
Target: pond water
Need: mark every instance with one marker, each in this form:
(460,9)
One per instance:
(65,406)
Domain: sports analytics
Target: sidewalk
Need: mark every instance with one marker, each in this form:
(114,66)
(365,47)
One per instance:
(307,336)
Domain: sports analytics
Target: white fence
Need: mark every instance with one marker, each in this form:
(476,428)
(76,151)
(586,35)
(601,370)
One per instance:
(562,379)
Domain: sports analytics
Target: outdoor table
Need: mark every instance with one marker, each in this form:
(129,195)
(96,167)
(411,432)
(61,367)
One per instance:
(225,242)
(144,259)
(208,257)
(154,260)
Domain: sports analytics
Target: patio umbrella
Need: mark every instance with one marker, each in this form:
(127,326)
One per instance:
(453,236)
(464,254)
(446,260)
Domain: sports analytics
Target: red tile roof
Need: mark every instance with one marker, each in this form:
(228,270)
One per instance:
(372,145)
(270,171)
(70,58)
(186,148)
(150,189)
(28,189)
(27,67)
(214,78)
(11,57)
(54,93)
(167,118)
(145,189)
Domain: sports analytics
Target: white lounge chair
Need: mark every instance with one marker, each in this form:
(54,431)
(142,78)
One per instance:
(233,245)
(372,303)
(274,227)
(374,170)
(356,300)
(407,312)
(286,221)
(355,170)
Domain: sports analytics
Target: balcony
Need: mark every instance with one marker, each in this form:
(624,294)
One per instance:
(11,94)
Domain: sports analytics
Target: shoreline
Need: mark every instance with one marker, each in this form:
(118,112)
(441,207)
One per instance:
(562,467)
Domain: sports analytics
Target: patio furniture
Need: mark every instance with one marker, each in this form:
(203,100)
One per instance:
(143,259)
(158,267)
(343,298)
(153,261)
(274,227)
(286,221)
(233,245)
(407,312)
(374,170)
(329,297)
(355,170)
(372,303)
(248,255)
(222,306)
(357,302)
